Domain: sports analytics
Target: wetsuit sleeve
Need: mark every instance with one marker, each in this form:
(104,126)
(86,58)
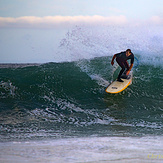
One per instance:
(132,59)
(118,54)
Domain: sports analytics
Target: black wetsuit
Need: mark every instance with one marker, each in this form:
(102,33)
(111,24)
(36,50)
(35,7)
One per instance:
(121,59)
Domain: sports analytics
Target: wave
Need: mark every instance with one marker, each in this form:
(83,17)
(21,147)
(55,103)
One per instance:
(83,42)
(69,98)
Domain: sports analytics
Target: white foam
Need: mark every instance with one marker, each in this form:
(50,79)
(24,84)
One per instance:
(85,43)
(91,149)
(101,81)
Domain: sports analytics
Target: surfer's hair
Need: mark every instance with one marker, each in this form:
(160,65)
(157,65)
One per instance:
(128,50)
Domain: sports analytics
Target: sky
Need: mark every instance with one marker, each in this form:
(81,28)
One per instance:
(25,20)
(130,8)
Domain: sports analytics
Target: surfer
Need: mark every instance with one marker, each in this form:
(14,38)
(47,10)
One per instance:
(121,59)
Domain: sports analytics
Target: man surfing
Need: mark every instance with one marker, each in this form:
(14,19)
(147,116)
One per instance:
(121,59)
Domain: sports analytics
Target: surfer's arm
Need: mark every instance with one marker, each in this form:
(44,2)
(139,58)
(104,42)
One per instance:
(112,62)
(131,65)
(129,69)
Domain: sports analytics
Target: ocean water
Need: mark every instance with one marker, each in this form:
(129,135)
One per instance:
(60,112)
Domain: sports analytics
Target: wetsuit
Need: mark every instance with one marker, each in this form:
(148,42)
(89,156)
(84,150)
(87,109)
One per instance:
(121,59)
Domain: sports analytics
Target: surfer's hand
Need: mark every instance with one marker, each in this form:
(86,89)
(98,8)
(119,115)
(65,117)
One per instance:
(112,62)
(127,73)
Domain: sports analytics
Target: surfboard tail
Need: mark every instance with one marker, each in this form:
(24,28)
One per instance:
(117,87)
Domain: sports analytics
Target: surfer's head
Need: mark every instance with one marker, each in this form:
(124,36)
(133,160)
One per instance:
(128,52)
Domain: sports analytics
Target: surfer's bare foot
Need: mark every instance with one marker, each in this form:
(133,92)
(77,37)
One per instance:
(119,80)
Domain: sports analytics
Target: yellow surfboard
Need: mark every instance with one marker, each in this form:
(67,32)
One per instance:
(116,86)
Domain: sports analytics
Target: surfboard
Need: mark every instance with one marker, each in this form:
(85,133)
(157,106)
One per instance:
(117,87)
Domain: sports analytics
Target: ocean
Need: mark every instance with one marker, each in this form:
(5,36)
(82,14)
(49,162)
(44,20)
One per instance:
(59,111)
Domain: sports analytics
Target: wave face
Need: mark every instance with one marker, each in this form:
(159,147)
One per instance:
(68,99)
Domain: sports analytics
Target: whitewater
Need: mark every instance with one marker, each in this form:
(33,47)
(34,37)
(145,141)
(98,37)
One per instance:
(60,112)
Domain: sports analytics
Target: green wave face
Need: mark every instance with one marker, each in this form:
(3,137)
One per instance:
(69,99)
